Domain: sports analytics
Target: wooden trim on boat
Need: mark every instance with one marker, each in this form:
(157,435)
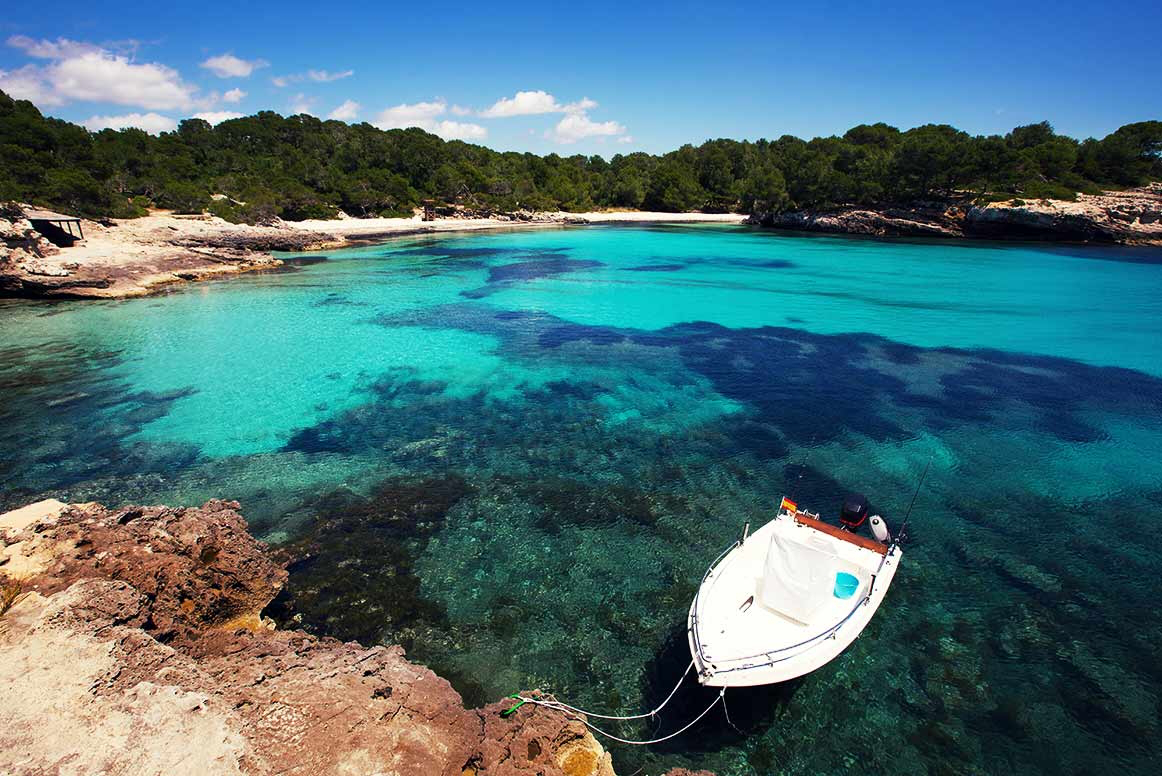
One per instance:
(847,536)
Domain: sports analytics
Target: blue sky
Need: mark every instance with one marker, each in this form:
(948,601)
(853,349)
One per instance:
(595,77)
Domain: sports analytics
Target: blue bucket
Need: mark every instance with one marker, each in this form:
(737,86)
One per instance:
(845,585)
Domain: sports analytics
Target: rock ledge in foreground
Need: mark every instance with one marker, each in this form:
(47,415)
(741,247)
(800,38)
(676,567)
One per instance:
(138,645)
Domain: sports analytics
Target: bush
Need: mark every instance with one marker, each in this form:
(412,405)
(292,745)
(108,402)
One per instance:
(1045,190)
(11,211)
(133,207)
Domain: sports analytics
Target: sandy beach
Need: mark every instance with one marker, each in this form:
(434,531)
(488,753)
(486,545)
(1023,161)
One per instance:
(135,257)
(364,228)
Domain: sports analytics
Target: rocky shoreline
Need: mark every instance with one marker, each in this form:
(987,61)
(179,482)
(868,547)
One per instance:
(137,644)
(141,256)
(136,257)
(1132,217)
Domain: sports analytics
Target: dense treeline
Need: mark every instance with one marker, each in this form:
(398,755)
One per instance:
(298,167)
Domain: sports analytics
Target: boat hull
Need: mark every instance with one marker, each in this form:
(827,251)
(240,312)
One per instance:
(741,635)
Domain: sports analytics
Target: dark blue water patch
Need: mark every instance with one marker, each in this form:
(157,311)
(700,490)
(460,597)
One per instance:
(899,353)
(441,250)
(391,386)
(327,436)
(572,388)
(656,268)
(363,548)
(334,299)
(151,405)
(543,266)
(776,264)
(764,440)
(67,420)
(556,336)
(813,388)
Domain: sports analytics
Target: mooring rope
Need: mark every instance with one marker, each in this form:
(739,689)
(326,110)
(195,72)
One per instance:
(561,706)
(581,714)
(720,697)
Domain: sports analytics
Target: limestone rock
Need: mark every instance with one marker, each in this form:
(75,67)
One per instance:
(138,645)
(1125,217)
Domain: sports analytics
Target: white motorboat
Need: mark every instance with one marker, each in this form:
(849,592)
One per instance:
(789,597)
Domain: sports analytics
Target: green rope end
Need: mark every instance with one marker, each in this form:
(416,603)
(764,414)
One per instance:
(512,709)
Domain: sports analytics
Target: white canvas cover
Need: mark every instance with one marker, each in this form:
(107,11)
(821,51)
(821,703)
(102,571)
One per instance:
(798,578)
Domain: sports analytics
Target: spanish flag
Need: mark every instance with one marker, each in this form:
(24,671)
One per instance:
(788,505)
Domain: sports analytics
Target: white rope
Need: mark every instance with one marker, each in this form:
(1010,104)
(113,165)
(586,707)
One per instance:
(721,697)
(561,706)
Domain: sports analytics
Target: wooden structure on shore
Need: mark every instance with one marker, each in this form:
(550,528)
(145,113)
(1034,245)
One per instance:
(56,227)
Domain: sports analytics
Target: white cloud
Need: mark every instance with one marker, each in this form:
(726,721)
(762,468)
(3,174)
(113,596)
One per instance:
(522,104)
(318,76)
(405,115)
(61,48)
(322,76)
(217,116)
(152,123)
(230,66)
(345,112)
(458,130)
(532,103)
(581,105)
(459,110)
(301,103)
(82,71)
(234,95)
(29,83)
(99,76)
(575,125)
(425,115)
(578,126)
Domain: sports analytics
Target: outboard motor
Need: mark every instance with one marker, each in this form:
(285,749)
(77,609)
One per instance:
(879,529)
(854,512)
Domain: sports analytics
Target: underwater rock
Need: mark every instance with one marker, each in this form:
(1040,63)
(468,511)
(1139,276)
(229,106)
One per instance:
(361,548)
(137,643)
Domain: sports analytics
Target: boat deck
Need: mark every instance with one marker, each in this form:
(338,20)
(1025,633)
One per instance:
(738,632)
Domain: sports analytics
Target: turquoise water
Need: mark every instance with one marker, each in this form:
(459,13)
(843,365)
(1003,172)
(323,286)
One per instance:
(515,453)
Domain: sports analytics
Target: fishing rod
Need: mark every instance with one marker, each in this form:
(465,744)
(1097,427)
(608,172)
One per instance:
(902,533)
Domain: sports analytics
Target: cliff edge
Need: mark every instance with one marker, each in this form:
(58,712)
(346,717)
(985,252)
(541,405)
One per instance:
(133,641)
(1132,217)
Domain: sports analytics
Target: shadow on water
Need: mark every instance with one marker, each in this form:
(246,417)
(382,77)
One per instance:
(748,709)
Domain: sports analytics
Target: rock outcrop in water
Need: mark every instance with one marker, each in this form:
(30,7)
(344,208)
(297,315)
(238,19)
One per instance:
(138,645)
(1131,217)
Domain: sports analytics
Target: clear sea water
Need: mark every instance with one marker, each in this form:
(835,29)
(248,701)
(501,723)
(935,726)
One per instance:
(515,453)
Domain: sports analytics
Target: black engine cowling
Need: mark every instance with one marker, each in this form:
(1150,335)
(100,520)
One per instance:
(854,512)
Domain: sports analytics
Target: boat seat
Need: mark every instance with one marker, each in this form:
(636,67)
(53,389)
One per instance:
(799,576)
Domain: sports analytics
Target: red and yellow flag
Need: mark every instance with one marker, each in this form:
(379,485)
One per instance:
(789,505)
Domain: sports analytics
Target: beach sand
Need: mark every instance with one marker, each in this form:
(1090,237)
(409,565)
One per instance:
(362,228)
(135,257)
